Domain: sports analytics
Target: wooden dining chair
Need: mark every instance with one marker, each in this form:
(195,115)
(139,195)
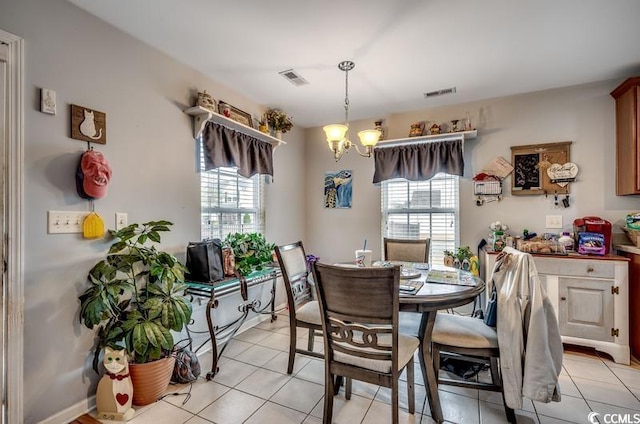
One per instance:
(304,311)
(359,308)
(469,339)
(406,250)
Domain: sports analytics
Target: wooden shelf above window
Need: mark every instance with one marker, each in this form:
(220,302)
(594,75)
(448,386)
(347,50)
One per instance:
(201,116)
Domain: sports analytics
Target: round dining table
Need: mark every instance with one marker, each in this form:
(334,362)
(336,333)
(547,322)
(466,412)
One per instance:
(443,288)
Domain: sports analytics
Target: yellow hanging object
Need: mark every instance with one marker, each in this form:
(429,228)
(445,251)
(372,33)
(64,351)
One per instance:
(93,226)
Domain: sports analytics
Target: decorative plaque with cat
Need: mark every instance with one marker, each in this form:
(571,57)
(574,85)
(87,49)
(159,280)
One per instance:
(88,125)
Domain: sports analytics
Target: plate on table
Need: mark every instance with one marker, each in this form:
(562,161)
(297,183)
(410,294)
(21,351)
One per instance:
(409,273)
(422,266)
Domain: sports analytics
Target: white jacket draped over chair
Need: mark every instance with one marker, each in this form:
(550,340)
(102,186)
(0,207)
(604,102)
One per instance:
(528,333)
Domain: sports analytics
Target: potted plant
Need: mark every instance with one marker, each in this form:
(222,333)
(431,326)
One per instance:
(134,300)
(458,259)
(278,121)
(251,252)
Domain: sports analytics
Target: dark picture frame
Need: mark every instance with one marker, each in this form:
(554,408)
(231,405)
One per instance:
(233,113)
(530,163)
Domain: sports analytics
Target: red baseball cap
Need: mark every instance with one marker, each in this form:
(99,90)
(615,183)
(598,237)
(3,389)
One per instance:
(96,174)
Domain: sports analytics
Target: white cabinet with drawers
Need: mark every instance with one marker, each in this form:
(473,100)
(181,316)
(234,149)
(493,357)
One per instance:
(590,297)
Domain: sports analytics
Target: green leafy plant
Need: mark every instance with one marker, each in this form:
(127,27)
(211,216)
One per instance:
(251,251)
(136,295)
(461,253)
(278,120)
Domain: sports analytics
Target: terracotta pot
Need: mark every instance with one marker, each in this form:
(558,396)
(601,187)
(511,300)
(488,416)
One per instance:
(151,380)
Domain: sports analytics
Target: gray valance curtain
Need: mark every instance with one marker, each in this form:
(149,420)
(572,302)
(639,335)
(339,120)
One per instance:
(226,147)
(418,162)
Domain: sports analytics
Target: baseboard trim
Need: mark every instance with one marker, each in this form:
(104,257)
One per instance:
(73,412)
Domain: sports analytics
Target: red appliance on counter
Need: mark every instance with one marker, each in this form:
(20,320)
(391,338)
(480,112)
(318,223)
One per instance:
(594,224)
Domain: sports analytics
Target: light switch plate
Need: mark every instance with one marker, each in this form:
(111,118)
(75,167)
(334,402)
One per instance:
(554,221)
(65,222)
(121,220)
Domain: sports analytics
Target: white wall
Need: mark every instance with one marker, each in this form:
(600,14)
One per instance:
(152,153)
(582,114)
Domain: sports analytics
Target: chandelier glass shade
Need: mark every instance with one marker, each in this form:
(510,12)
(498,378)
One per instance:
(338,134)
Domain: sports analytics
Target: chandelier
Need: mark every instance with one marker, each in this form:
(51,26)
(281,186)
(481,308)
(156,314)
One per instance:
(337,134)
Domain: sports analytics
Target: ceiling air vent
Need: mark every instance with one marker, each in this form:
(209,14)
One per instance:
(440,92)
(293,77)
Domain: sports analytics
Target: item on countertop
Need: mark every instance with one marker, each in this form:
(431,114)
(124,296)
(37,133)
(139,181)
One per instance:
(633,220)
(498,241)
(508,241)
(541,246)
(594,224)
(633,235)
(567,241)
(591,243)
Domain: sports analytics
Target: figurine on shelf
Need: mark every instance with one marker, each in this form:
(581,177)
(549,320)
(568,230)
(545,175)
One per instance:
(263,126)
(416,129)
(206,101)
(467,123)
(435,129)
(454,125)
(379,127)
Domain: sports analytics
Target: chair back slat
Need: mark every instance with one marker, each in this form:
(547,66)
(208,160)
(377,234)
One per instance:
(373,342)
(360,293)
(293,265)
(407,250)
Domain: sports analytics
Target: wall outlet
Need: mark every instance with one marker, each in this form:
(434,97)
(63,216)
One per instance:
(554,221)
(121,220)
(65,222)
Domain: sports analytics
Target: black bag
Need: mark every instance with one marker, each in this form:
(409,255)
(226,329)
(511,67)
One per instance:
(204,261)
(187,366)
(491,313)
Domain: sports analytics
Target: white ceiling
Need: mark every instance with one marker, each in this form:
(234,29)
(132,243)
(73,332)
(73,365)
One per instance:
(402,48)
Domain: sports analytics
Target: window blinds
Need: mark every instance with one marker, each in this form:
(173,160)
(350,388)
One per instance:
(230,203)
(420,209)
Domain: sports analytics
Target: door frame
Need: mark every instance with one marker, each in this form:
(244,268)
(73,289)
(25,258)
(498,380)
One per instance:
(14,227)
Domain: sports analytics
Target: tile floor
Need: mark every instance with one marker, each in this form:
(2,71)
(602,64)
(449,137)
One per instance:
(253,387)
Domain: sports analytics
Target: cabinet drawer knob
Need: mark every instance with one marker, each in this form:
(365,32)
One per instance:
(590,269)
(563,298)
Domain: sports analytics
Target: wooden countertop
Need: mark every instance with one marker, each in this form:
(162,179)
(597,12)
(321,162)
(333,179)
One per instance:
(629,248)
(575,255)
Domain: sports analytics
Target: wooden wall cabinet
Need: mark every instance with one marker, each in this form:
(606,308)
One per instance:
(590,296)
(627,137)
(634,299)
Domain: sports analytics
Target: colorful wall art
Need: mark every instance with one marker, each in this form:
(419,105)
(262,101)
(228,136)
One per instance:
(337,189)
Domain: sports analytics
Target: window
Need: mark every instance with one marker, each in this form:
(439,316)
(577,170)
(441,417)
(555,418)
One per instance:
(421,209)
(229,203)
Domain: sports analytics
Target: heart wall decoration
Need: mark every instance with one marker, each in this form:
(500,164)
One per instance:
(562,174)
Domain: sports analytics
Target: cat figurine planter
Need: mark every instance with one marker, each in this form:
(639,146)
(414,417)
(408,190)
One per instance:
(115,390)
